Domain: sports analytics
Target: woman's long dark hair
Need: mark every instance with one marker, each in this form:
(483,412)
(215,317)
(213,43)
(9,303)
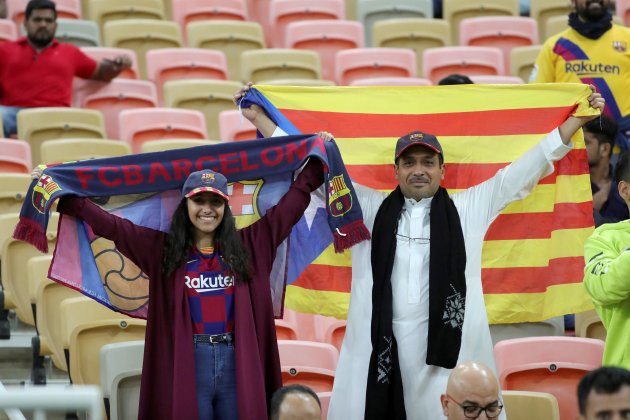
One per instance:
(180,241)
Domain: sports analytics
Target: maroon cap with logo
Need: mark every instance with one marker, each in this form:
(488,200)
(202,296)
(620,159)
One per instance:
(417,138)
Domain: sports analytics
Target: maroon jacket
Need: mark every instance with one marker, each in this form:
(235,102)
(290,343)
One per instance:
(168,374)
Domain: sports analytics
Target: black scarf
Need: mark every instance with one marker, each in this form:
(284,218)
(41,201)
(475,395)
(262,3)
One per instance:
(591,30)
(447,290)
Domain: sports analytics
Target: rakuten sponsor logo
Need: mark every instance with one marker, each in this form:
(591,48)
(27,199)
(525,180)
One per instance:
(205,283)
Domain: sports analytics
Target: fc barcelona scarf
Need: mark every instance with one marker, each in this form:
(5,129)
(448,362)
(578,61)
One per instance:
(145,188)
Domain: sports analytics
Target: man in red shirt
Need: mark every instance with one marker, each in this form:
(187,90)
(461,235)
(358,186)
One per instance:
(37,70)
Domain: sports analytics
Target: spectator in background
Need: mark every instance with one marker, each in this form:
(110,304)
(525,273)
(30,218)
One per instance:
(37,70)
(472,392)
(607,274)
(455,79)
(3,9)
(604,393)
(593,51)
(295,402)
(608,206)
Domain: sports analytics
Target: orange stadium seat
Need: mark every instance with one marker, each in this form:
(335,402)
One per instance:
(186,11)
(496,80)
(99,53)
(68,9)
(359,63)
(548,364)
(15,156)
(308,363)
(324,400)
(283,12)
(392,81)
(470,61)
(327,38)
(166,64)
(542,10)
(259,66)
(234,127)
(330,330)
(286,328)
(371,11)
(118,95)
(522,60)
(137,126)
(416,34)
(8,30)
(231,37)
(503,32)
(456,10)
(103,11)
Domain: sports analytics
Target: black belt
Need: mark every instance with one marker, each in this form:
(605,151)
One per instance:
(213,338)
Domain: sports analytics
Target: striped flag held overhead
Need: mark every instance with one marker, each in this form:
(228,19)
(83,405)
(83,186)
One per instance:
(532,257)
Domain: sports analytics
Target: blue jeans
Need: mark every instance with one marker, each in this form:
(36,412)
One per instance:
(9,119)
(215,368)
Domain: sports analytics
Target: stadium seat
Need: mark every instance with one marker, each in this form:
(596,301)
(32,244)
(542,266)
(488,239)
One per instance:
(7,226)
(548,364)
(284,12)
(15,156)
(167,64)
(470,61)
(99,53)
(287,327)
(208,96)
(103,11)
(8,30)
(121,370)
(86,326)
(371,11)
(454,11)
(415,34)
(334,332)
(496,80)
(503,32)
(553,327)
(327,38)
(589,325)
(142,35)
(36,125)
(542,10)
(186,11)
(324,400)
(279,63)
(118,95)
(82,33)
(66,150)
(360,63)
(392,81)
(68,9)
(170,144)
(137,126)
(13,187)
(234,127)
(300,82)
(14,255)
(308,363)
(622,10)
(231,37)
(526,405)
(522,60)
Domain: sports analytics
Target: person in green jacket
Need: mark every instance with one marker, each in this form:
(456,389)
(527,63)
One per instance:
(607,275)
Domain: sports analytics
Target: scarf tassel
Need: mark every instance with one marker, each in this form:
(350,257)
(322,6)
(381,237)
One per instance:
(350,235)
(30,231)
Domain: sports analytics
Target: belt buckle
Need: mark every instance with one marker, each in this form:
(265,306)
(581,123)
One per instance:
(215,338)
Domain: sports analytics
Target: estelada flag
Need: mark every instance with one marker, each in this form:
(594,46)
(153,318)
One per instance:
(533,253)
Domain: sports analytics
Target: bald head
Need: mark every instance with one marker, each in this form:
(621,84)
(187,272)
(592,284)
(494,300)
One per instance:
(295,402)
(470,384)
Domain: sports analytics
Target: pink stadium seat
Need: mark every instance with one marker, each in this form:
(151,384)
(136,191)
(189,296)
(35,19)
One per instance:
(286,328)
(283,12)
(327,37)
(548,364)
(503,32)
(186,11)
(497,80)
(622,9)
(308,363)
(392,81)
(470,61)
(324,400)
(67,9)
(361,63)
(234,127)
(119,95)
(137,126)
(330,330)
(8,30)
(166,64)
(15,156)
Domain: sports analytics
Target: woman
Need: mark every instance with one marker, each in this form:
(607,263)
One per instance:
(210,349)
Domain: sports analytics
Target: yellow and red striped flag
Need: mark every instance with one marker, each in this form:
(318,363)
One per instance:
(532,258)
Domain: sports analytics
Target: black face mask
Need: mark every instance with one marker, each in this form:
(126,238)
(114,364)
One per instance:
(591,30)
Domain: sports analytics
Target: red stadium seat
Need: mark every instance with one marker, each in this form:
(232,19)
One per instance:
(327,38)
(623,11)
(324,400)
(137,126)
(548,364)
(503,32)
(330,330)
(308,363)
(392,81)
(283,12)
(186,11)
(99,53)
(470,61)
(15,156)
(234,127)
(119,95)
(361,63)
(8,30)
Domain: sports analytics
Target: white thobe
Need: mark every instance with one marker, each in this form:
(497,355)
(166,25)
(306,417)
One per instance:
(478,207)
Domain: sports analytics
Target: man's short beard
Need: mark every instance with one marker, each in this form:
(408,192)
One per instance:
(40,42)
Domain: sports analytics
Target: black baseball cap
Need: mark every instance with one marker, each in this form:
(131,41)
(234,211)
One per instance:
(418,138)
